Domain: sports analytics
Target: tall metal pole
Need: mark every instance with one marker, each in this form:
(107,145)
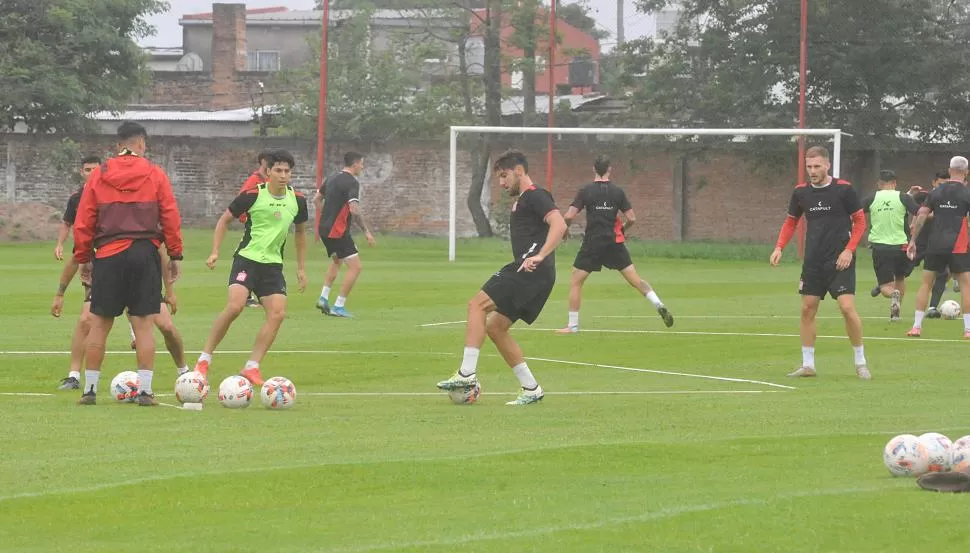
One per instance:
(551,71)
(802,78)
(322,115)
(619,23)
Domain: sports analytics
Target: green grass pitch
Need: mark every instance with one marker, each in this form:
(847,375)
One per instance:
(373,458)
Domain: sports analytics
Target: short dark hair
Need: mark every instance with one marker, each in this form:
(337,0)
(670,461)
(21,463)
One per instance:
(510,160)
(886,176)
(280,156)
(942,175)
(351,158)
(601,165)
(817,151)
(921,196)
(130,129)
(91,159)
(264,155)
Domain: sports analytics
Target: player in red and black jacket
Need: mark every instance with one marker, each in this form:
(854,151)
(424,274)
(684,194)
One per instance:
(948,244)
(126,211)
(836,223)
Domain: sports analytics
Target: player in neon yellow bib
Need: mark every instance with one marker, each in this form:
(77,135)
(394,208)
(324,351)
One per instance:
(257,265)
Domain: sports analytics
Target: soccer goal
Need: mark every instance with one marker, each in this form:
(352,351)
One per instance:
(598,138)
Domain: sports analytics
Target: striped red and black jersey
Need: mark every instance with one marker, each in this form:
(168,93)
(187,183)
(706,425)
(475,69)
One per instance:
(339,191)
(603,201)
(251,184)
(828,212)
(127,198)
(950,204)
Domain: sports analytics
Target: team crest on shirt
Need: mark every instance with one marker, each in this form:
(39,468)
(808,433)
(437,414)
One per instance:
(278,215)
(241,277)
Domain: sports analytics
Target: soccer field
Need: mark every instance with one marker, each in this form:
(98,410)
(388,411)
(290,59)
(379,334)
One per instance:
(649,439)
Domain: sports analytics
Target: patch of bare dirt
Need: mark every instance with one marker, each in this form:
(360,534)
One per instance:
(28,222)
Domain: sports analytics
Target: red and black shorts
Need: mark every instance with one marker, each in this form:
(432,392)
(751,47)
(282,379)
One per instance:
(821,278)
(956,262)
(520,295)
(130,280)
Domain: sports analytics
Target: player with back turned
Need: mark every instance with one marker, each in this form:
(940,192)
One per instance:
(836,223)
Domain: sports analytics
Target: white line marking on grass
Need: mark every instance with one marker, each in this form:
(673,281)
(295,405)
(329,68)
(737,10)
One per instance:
(242,352)
(443,324)
(747,334)
(669,373)
(512,393)
(26,394)
(649,516)
(839,317)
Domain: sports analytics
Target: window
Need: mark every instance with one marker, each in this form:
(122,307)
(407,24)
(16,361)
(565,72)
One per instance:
(263,60)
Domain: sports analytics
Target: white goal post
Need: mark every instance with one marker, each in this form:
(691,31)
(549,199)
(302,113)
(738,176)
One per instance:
(836,135)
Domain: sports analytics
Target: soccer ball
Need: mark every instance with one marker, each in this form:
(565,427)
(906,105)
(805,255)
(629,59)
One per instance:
(960,454)
(938,449)
(235,392)
(950,309)
(904,455)
(465,396)
(191,387)
(278,393)
(124,387)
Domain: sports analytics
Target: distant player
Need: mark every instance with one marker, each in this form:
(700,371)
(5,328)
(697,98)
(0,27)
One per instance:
(88,165)
(604,241)
(126,211)
(836,224)
(339,200)
(520,289)
(887,210)
(947,243)
(259,176)
(257,265)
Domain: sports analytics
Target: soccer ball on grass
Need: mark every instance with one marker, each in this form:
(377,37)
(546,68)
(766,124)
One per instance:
(465,396)
(950,309)
(960,454)
(278,393)
(124,387)
(938,450)
(905,455)
(235,392)
(191,387)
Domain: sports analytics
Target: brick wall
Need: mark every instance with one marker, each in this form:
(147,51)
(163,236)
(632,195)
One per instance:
(405,185)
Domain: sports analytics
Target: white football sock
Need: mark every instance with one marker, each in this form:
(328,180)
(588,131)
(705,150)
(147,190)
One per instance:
(183,370)
(654,299)
(207,357)
(860,355)
(131,330)
(469,361)
(341,301)
(91,380)
(251,365)
(145,380)
(966,322)
(918,322)
(74,374)
(325,293)
(525,377)
(808,356)
(573,319)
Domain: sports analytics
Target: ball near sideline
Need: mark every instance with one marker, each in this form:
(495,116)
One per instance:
(950,309)
(191,387)
(466,396)
(904,455)
(235,392)
(124,386)
(938,450)
(960,454)
(278,393)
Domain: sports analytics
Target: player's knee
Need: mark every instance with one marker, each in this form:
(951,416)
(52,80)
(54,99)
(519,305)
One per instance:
(808,311)
(495,327)
(276,315)
(234,309)
(166,327)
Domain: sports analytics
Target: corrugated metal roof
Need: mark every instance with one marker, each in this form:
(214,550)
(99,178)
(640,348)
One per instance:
(242,115)
(313,17)
(514,104)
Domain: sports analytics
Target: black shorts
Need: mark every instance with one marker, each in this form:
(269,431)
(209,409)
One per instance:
(819,279)
(890,264)
(342,247)
(130,279)
(955,262)
(592,258)
(520,295)
(261,279)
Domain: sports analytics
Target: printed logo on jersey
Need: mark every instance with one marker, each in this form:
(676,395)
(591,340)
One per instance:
(820,207)
(278,215)
(606,206)
(949,205)
(887,205)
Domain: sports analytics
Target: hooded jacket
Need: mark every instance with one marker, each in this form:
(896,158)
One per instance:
(127,198)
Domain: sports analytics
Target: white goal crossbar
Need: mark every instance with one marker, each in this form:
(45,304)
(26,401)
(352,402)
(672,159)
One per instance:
(836,135)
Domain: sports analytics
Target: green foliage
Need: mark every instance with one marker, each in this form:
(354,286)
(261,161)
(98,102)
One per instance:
(878,69)
(63,59)
(578,15)
(65,157)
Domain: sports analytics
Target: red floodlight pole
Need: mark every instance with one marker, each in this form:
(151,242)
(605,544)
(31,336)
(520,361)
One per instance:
(322,115)
(802,74)
(550,68)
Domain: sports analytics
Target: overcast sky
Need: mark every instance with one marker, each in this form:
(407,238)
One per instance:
(169,33)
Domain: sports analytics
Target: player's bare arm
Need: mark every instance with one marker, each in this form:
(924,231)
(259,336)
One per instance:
(62,233)
(358,219)
(557,227)
(631,219)
(300,241)
(318,202)
(921,216)
(67,275)
(218,235)
(167,282)
(571,214)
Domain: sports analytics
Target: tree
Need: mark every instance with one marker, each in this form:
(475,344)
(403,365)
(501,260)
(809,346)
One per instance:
(525,37)
(61,60)
(880,69)
(577,15)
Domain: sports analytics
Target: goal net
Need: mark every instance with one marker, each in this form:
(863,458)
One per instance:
(728,185)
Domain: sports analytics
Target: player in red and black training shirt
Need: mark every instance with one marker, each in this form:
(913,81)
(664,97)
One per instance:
(520,289)
(339,199)
(947,246)
(604,243)
(836,224)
